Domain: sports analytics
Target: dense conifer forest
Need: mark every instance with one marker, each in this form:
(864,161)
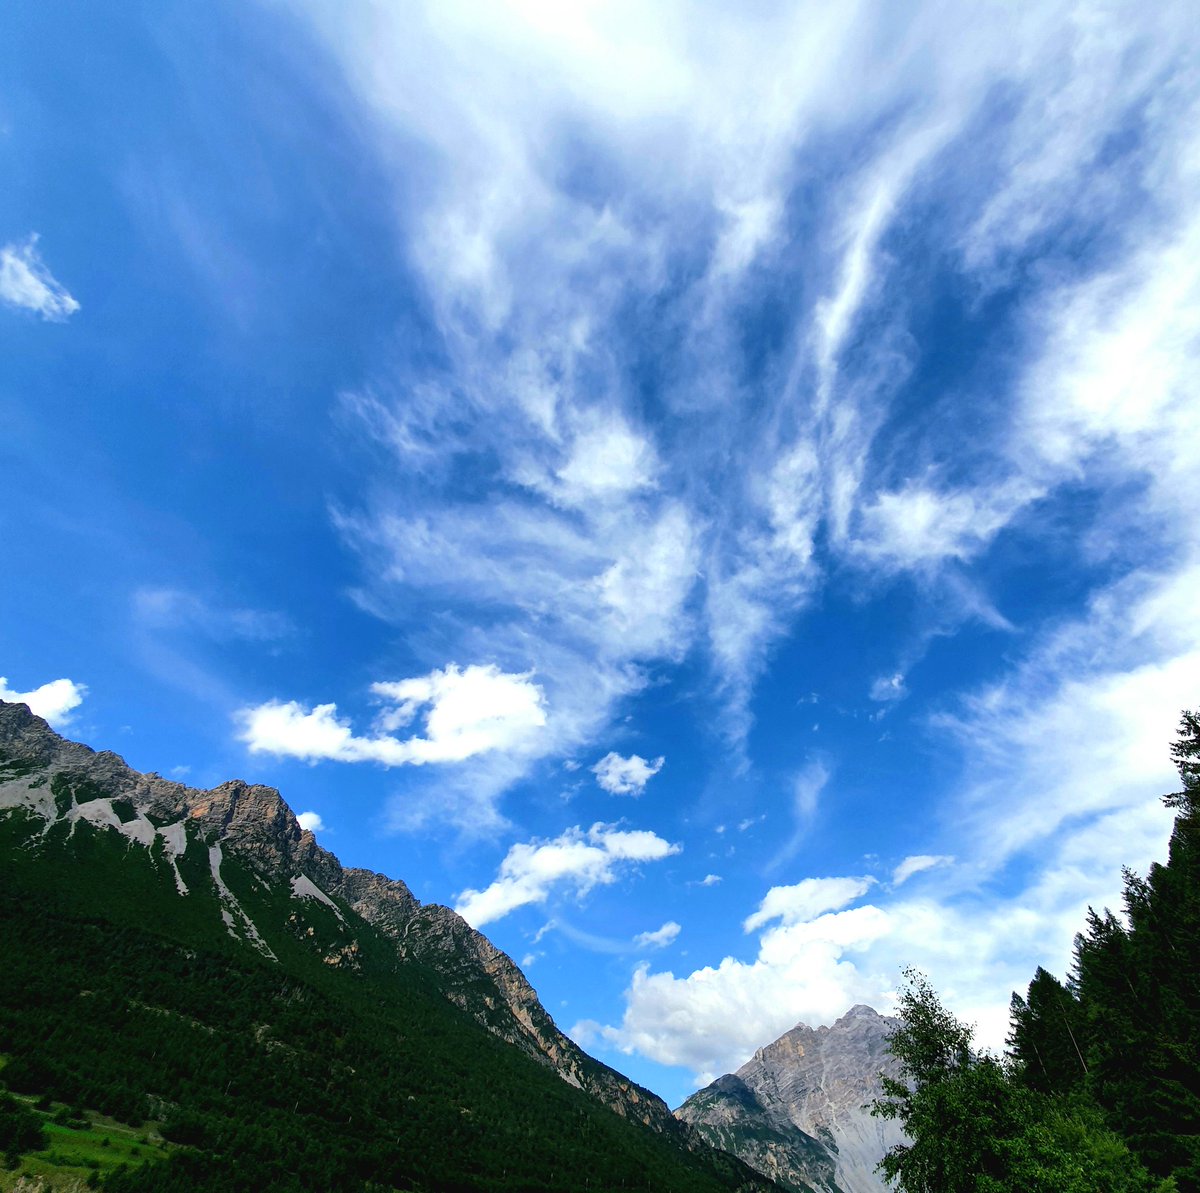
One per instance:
(1100,1088)
(121,998)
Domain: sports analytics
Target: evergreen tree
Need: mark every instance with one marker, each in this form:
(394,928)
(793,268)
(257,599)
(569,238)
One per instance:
(1132,1004)
(975,1127)
(1047,1036)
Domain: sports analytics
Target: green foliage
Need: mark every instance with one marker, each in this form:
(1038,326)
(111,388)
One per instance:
(1186,754)
(953,1105)
(1132,1002)
(21,1129)
(1047,1030)
(119,994)
(975,1127)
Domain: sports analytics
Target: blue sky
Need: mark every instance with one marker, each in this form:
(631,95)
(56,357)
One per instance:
(708,493)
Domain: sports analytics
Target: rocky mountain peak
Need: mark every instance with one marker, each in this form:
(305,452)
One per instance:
(798,1110)
(39,770)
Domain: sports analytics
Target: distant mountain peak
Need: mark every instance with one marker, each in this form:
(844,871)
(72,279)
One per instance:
(797,1111)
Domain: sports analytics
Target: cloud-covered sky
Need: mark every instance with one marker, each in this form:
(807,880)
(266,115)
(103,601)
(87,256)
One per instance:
(767,436)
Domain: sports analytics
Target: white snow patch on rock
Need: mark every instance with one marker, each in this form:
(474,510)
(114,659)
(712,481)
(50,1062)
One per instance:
(98,812)
(17,793)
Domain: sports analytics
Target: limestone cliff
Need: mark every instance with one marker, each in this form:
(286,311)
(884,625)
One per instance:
(797,1111)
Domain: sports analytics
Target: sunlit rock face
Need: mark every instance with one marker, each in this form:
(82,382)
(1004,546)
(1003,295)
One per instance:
(798,1110)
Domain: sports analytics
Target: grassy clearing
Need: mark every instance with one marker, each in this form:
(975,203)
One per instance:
(83,1150)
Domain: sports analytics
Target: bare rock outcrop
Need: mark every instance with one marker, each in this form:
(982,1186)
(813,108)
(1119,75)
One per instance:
(798,1110)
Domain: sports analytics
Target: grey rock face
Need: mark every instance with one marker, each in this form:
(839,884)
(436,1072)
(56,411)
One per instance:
(797,1111)
(253,822)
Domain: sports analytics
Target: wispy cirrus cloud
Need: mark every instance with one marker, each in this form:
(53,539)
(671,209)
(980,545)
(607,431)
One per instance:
(917,864)
(577,290)
(26,282)
(164,608)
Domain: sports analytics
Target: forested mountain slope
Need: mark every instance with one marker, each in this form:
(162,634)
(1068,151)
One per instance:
(195,957)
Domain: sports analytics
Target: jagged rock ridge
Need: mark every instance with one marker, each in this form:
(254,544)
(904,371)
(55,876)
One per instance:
(797,1111)
(57,779)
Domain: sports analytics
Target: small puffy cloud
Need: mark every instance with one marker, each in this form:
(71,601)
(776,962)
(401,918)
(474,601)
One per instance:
(467,711)
(915,864)
(576,860)
(806,899)
(625,776)
(26,282)
(659,938)
(54,700)
(710,880)
(311,822)
(889,687)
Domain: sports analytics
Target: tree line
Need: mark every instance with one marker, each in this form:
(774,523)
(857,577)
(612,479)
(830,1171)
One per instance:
(1099,1088)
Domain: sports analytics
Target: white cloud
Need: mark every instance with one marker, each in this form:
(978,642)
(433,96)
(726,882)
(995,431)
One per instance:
(26,282)
(659,938)
(916,864)
(607,461)
(625,776)
(918,525)
(888,688)
(807,786)
(311,822)
(806,900)
(467,711)
(712,1019)
(576,860)
(710,880)
(597,541)
(54,701)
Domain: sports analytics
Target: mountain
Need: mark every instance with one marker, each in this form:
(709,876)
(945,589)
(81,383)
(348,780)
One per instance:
(797,1110)
(195,957)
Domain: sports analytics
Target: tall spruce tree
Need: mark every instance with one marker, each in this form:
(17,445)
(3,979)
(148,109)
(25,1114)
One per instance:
(1132,1002)
(1048,1036)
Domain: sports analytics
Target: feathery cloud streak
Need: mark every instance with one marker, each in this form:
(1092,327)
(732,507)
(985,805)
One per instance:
(26,282)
